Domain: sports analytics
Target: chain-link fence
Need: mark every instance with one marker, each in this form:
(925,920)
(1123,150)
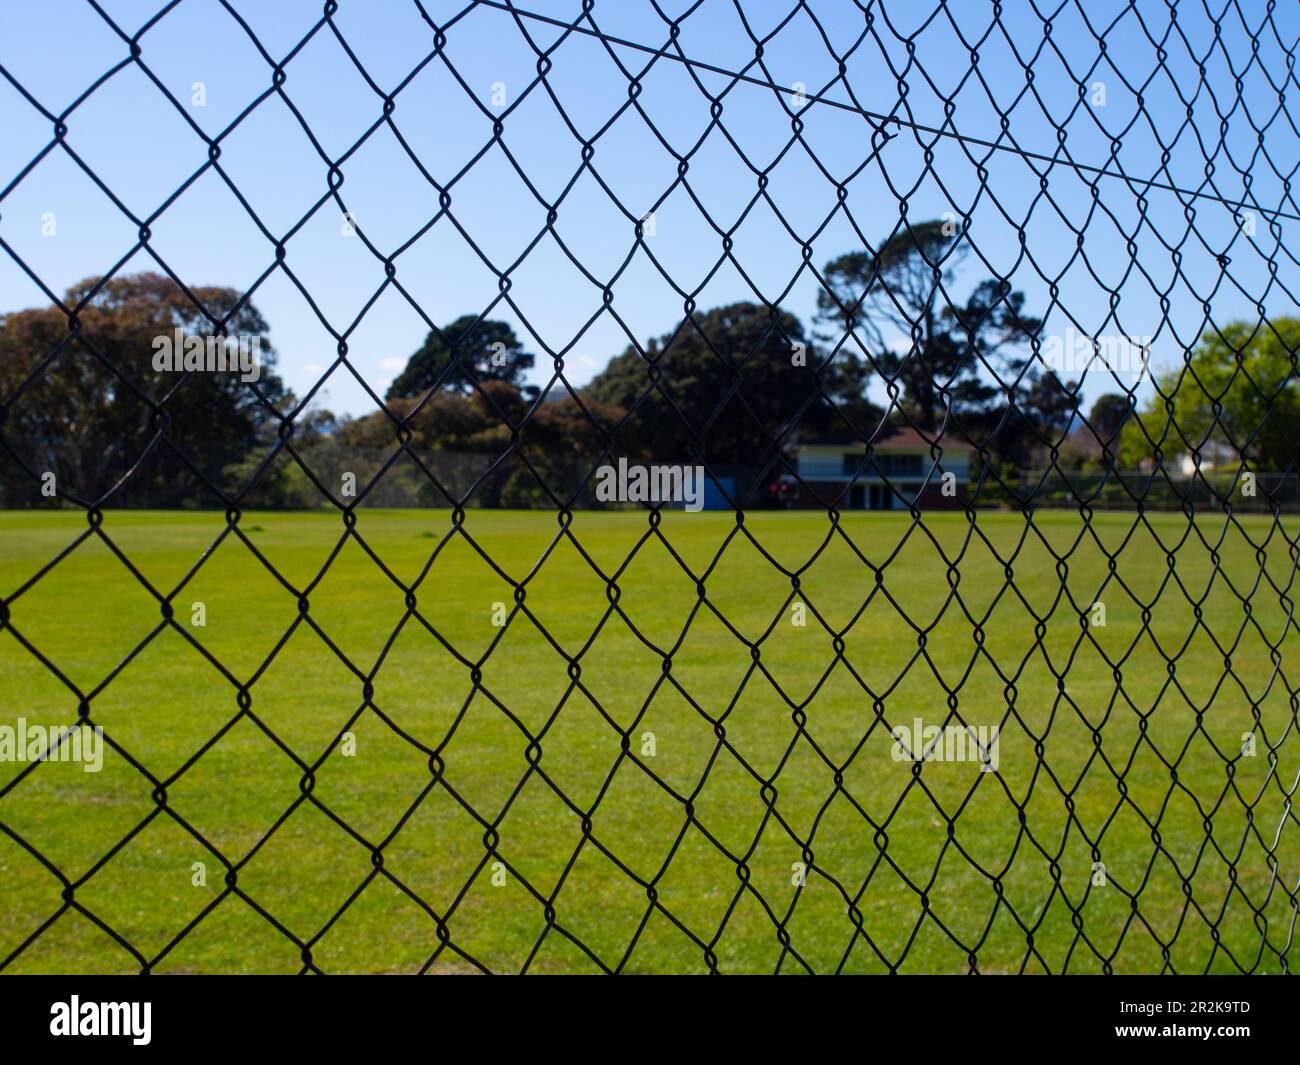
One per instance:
(976,655)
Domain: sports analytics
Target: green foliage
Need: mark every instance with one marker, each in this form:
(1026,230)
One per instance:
(89,415)
(1238,392)
(738,381)
(683,386)
(559,440)
(1108,416)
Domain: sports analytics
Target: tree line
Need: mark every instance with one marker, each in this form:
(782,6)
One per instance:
(735,386)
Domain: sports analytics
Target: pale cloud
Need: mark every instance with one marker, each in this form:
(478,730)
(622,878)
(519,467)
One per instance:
(391,364)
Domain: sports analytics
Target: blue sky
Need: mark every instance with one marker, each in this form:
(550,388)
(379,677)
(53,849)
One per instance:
(1140,246)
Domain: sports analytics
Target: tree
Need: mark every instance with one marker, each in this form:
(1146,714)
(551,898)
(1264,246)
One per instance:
(903,287)
(683,385)
(1040,419)
(488,351)
(1250,371)
(88,415)
(282,483)
(1108,415)
(558,443)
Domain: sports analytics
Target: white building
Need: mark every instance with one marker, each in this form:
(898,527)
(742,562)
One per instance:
(835,470)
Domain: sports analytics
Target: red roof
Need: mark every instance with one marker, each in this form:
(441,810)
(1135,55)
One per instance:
(890,438)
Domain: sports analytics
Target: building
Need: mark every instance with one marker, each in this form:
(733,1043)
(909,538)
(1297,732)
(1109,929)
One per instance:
(835,470)
(1214,455)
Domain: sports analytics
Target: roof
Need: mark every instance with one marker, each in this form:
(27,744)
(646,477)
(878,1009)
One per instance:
(889,438)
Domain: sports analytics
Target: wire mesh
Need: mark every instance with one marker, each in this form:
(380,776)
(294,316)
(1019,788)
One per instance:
(1131,179)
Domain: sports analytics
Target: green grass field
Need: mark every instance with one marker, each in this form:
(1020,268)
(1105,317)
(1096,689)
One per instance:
(89,615)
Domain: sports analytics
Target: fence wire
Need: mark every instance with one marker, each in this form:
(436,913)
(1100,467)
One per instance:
(1207,176)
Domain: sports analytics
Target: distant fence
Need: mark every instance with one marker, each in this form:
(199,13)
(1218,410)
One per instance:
(1156,489)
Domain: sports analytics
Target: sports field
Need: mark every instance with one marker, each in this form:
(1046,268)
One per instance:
(1002,883)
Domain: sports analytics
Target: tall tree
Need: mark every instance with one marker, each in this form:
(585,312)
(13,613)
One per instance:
(1040,418)
(486,350)
(739,376)
(1108,415)
(935,355)
(88,414)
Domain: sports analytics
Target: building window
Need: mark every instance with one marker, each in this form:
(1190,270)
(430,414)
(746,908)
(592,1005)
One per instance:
(884,464)
(902,465)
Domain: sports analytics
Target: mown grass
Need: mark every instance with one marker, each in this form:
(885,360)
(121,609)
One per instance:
(1001,887)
